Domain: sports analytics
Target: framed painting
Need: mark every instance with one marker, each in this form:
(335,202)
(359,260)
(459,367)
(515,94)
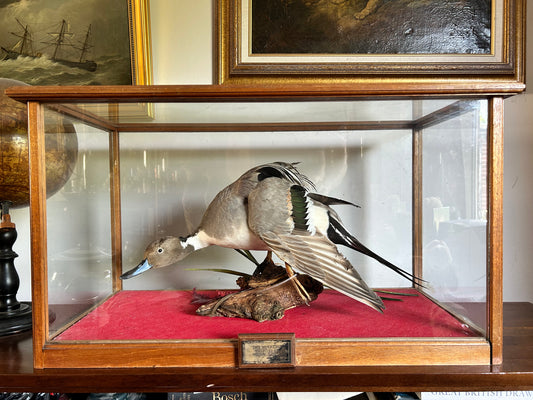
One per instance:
(354,40)
(57,42)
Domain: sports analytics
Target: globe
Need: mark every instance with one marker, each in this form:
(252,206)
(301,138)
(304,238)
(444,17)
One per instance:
(61,149)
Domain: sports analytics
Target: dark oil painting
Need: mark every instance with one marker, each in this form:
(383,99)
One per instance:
(65,42)
(371,27)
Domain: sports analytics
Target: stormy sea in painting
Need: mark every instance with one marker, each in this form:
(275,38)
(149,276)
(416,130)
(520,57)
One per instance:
(57,42)
(111,70)
(371,26)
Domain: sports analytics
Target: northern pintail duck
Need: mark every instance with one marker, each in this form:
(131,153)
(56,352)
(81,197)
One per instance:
(272,207)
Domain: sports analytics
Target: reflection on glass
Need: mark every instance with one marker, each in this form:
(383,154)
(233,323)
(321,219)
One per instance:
(79,235)
(168,182)
(168,178)
(455,211)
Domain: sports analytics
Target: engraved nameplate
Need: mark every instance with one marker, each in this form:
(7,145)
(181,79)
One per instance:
(260,350)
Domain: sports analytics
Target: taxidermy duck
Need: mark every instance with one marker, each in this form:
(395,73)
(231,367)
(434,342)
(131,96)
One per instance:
(272,207)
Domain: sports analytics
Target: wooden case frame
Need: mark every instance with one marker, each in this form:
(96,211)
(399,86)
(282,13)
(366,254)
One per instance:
(223,353)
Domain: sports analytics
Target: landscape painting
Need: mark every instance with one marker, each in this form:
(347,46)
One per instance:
(72,42)
(371,26)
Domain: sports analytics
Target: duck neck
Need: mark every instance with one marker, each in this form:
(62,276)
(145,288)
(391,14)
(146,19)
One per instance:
(197,241)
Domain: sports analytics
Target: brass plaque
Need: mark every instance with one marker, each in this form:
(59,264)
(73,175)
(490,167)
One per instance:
(259,350)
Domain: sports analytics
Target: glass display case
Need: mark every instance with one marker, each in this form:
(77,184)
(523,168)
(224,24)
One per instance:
(425,173)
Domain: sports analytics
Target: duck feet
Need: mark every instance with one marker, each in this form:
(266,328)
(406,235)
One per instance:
(297,285)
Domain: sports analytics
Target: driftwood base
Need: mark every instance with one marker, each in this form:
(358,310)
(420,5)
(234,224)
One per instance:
(264,296)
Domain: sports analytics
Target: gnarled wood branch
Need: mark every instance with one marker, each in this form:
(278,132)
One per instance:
(264,296)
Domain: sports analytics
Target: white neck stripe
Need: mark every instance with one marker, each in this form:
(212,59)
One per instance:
(193,241)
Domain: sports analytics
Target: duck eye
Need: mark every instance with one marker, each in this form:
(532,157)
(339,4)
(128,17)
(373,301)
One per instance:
(160,250)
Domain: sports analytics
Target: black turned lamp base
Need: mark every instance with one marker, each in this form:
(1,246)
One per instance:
(15,317)
(16,321)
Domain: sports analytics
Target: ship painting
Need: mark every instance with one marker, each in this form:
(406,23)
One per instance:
(57,42)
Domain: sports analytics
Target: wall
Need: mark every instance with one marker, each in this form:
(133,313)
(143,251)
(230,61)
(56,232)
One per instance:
(182,54)
(191,22)
(517,189)
(181,41)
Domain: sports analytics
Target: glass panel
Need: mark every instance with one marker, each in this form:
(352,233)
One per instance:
(455,211)
(170,173)
(255,112)
(78,218)
(169,180)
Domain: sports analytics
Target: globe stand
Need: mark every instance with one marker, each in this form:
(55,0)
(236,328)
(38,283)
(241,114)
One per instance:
(15,317)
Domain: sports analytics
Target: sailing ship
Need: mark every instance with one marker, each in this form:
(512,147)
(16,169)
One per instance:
(59,40)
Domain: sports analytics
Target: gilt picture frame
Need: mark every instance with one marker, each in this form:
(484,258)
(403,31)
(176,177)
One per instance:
(56,42)
(140,41)
(275,41)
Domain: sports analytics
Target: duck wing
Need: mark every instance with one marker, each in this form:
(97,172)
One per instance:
(315,256)
(224,223)
(290,223)
(279,169)
(338,234)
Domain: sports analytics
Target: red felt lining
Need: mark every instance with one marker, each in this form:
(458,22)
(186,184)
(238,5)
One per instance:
(158,315)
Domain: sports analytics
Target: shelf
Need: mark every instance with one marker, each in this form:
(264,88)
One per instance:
(515,373)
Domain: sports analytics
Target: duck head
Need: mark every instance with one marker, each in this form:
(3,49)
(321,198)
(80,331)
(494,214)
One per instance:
(160,253)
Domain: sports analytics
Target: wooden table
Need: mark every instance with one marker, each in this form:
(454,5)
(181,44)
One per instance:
(516,372)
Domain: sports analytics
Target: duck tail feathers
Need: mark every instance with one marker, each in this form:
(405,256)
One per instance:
(330,201)
(338,234)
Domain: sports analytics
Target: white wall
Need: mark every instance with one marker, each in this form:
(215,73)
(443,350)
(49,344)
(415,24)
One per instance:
(181,41)
(182,54)
(518,188)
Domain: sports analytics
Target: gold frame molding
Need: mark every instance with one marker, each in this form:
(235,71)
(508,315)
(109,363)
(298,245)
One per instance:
(141,64)
(140,41)
(236,65)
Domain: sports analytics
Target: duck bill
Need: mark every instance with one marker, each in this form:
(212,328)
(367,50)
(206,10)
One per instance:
(139,269)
